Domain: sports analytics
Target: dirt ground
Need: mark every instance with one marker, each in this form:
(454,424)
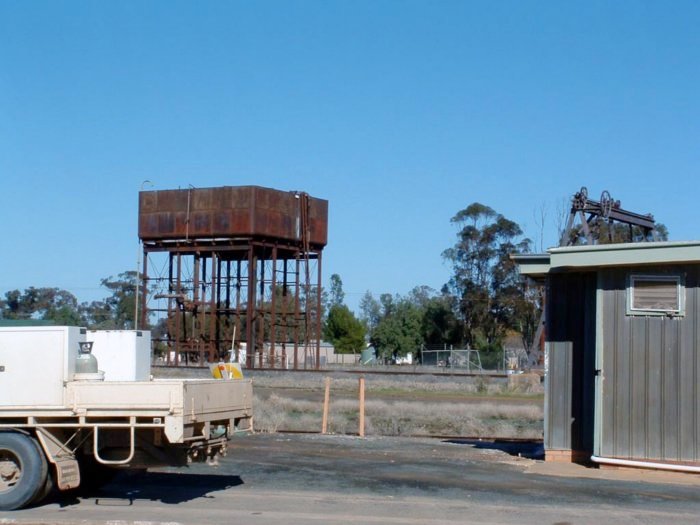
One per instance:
(305,479)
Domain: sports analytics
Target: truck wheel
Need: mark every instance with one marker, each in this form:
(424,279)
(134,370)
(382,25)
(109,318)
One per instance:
(44,491)
(23,470)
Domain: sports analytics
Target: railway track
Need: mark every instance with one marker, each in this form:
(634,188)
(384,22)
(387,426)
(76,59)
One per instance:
(363,371)
(464,439)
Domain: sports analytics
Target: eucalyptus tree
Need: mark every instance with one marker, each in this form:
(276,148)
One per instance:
(485,280)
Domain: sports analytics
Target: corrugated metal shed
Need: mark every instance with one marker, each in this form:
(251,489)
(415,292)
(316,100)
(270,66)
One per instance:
(622,381)
(650,373)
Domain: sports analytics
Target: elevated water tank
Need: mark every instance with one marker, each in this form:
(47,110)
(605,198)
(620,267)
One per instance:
(230,212)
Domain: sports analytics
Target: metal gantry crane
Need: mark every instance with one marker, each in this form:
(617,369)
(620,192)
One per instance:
(593,222)
(599,218)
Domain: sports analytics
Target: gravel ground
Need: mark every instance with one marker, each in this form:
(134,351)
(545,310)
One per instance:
(306,479)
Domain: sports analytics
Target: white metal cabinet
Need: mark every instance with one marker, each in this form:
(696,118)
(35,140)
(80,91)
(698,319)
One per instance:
(35,362)
(123,355)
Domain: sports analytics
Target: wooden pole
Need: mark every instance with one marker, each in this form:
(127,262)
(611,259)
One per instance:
(362,407)
(326,399)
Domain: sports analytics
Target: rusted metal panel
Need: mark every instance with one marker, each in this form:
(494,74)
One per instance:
(230,212)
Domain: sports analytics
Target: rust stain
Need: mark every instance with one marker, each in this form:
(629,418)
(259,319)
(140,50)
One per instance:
(230,211)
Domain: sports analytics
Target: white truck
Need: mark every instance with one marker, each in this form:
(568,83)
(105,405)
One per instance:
(63,421)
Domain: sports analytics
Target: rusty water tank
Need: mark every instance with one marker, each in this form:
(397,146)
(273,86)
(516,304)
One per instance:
(232,212)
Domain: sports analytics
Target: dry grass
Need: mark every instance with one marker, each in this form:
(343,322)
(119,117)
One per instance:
(400,405)
(528,384)
(403,418)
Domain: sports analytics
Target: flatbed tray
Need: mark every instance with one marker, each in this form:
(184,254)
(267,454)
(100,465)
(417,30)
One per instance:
(174,404)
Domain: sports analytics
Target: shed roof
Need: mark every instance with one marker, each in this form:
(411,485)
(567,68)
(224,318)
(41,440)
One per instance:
(606,255)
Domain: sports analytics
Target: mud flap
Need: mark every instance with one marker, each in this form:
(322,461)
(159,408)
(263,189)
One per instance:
(67,473)
(67,469)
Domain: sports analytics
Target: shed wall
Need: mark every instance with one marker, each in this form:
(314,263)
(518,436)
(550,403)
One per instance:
(570,392)
(651,367)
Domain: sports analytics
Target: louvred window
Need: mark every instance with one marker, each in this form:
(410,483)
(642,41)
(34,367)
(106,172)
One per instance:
(661,294)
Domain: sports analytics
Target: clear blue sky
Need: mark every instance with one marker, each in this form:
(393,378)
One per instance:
(400,113)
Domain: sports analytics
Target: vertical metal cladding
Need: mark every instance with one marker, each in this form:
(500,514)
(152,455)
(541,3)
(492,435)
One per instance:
(650,369)
(571,361)
(650,400)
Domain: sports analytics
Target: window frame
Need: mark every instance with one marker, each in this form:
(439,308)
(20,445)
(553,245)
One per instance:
(678,278)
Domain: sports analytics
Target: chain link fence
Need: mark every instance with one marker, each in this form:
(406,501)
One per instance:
(454,358)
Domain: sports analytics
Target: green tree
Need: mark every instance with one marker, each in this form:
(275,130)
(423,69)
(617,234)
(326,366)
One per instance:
(399,325)
(616,232)
(46,304)
(115,312)
(344,330)
(485,280)
(661,232)
(398,333)
(387,304)
(440,325)
(336,293)
(370,311)
(421,296)
(61,307)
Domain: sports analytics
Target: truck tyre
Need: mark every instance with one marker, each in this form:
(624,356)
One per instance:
(23,470)
(44,491)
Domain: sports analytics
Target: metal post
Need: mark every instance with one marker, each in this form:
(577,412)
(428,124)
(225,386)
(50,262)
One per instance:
(260,314)
(361,429)
(214,350)
(273,304)
(237,324)
(144,292)
(171,315)
(318,314)
(138,265)
(178,318)
(220,283)
(326,402)
(250,311)
(138,280)
(296,316)
(196,336)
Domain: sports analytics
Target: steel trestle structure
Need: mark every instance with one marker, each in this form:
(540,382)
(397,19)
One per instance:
(233,273)
(597,221)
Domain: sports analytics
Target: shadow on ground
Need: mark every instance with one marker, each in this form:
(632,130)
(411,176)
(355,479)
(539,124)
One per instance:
(166,487)
(527,449)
